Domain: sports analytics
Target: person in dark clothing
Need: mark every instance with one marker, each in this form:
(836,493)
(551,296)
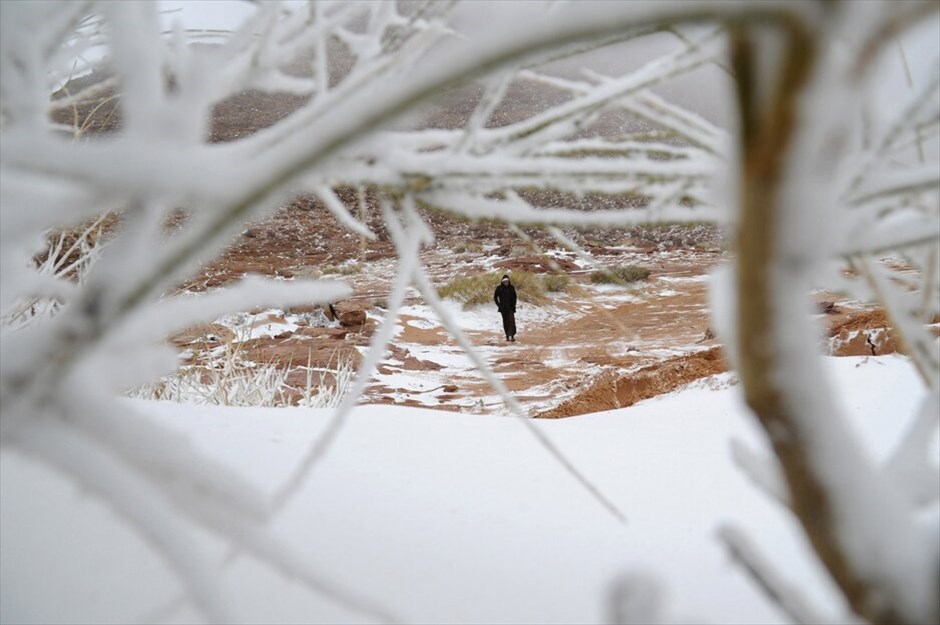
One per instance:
(505,298)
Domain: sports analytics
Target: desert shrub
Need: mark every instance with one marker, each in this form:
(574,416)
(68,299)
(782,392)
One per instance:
(556,282)
(69,256)
(224,377)
(478,289)
(346,269)
(526,248)
(678,234)
(468,246)
(619,275)
(804,157)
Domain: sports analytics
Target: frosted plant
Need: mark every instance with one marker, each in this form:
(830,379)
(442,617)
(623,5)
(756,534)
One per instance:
(62,261)
(806,146)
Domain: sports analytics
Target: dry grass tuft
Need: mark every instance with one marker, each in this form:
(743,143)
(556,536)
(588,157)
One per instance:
(623,274)
(478,289)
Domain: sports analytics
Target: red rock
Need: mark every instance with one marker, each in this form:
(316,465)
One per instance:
(209,333)
(415,364)
(864,342)
(352,318)
(350,313)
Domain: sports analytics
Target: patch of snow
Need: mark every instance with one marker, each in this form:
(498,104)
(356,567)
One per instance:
(266,324)
(446,356)
(407,381)
(457,517)
(423,324)
(472,319)
(607,288)
(683,279)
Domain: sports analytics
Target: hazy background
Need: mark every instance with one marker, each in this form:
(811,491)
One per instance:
(706,91)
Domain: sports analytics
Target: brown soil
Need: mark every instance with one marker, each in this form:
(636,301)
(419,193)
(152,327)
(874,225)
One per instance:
(612,390)
(870,332)
(859,320)
(598,338)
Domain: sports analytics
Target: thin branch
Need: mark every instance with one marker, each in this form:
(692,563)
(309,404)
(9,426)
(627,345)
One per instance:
(339,210)
(423,283)
(590,260)
(895,131)
(910,85)
(334,134)
(134,500)
(784,381)
(522,213)
(920,345)
(408,258)
(910,467)
(783,594)
(763,472)
(493,94)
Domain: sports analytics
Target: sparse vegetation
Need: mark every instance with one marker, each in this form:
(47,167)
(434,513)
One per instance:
(670,234)
(468,246)
(224,377)
(69,256)
(806,137)
(478,289)
(556,282)
(525,248)
(623,274)
(346,269)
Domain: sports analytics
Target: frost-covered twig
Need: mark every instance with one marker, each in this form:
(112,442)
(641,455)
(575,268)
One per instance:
(522,213)
(566,118)
(635,599)
(762,472)
(835,491)
(768,579)
(910,467)
(339,210)
(427,290)
(908,182)
(60,271)
(408,259)
(134,500)
(896,131)
(493,94)
(869,233)
(159,161)
(910,328)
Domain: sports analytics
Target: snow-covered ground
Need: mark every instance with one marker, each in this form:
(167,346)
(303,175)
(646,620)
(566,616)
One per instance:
(444,517)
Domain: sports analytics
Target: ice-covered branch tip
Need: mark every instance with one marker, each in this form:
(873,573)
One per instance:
(910,467)
(764,472)
(427,290)
(636,598)
(859,525)
(159,160)
(407,249)
(778,590)
(137,502)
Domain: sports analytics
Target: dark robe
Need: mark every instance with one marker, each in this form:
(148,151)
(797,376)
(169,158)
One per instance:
(505,298)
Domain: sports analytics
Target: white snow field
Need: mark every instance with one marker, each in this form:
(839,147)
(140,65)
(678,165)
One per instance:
(456,518)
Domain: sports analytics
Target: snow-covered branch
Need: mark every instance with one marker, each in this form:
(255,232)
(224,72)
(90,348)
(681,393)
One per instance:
(779,590)
(359,68)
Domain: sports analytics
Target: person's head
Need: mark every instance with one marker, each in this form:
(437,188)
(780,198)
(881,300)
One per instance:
(505,279)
